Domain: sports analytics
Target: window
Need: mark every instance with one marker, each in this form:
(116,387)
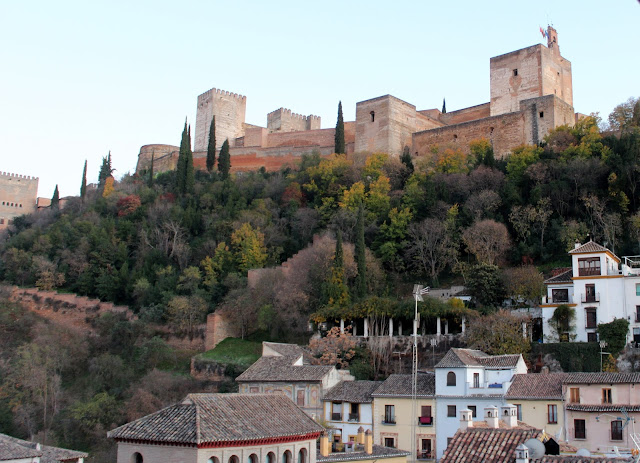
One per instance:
(451,411)
(541,114)
(373,116)
(606,396)
(473,409)
(389,442)
(253,458)
(579,431)
(425,416)
(519,411)
(637,307)
(286,457)
(215,460)
(302,456)
(590,293)
(588,266)
(271,458)
(560,295)
(451,379)
(354,414)
(390,414)
(616,430)
(592,319)
(425,445)
(234,459)
(449,439)
(515,73)
(136,458)
(476,380)
(592,337)
(637,289)
(552,414)
(300,398)
(352,438)
(574,396)
(336,411)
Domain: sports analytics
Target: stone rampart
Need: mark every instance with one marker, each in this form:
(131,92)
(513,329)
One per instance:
(18,195)
(165,158)
(283,120)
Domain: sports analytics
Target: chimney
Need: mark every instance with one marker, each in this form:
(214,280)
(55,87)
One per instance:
(324,444)
(509,415)
(368,442)
(360,436)
(576,245)
(466,419)
(544,370)
(491,417)
(522,454)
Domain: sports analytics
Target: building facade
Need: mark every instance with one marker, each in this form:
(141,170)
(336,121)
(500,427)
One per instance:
(18,195)
(348,407)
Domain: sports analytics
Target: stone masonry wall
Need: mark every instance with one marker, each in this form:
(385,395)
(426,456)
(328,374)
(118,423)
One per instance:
(17,196)
(283,120)
(467,114)
(165,158)
(229,109)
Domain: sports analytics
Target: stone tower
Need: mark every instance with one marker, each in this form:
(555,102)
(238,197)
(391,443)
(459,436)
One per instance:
(528,73)
(229,109)
(17,196)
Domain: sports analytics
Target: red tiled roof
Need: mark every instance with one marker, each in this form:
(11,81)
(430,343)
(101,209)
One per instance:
(476,358)
(400,386)
(352,391)
(543,386)
(602,378)
(208,418)
(487,445)
(603,407)
(564,277)
(591,246)
(282,369)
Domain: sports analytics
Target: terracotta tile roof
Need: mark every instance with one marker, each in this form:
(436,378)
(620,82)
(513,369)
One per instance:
(205,418)
(487,445)
(577,459)
(282,369)
(476,358)
(536,386)
(602,378)
(288,350)
(13,448)
(602,407)
(400,386)
(352,391)
(564,277)
(591,246)
(378,452)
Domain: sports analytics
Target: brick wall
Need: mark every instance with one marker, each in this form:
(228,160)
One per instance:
(218,328)
(229,109)
(165,158)
(17,196)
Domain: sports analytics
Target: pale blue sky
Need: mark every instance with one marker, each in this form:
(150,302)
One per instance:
(79,78)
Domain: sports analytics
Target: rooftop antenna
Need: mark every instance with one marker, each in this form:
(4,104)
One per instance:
(418,292)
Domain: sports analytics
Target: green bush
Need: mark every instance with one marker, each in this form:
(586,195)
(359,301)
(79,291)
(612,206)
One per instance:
(614,334)
(573,356)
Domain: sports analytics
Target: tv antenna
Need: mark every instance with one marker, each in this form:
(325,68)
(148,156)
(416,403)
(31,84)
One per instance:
(418,292)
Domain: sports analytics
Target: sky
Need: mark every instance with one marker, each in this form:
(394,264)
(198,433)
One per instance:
(81,78)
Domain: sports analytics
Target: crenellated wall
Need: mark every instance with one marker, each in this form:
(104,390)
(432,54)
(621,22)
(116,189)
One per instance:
(18,195)
(283,120)
(229,109)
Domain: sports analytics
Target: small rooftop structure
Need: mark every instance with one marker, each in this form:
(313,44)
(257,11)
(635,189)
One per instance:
(12,448)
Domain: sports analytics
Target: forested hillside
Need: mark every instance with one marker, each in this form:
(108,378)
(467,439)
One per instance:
(178,245)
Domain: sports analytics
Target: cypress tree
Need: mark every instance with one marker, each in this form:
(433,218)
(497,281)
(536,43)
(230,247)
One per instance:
(336,291)
(184,171)
(153,155)
(361,262)
(211,148)
(340,147)
(444,106)
(105,170)
(224,160)
(83,186)
(55,199)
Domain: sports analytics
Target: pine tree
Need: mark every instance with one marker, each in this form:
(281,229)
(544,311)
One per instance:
(55,199)
(211,148)
(185,179)
(361,262)
(83,186)
(340,147)
(224,160)
(444,106)
(153,155)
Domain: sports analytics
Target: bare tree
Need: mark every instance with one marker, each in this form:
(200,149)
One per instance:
(431,247)
(488,240)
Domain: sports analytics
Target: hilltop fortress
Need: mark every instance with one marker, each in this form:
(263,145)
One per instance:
(17,196)
(531,93)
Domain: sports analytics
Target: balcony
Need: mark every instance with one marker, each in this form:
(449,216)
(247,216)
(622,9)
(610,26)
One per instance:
(564,299)
(426,455)
(484,388)
(590,297)
(354,416)
(425,421)
(389,420)
(336,417)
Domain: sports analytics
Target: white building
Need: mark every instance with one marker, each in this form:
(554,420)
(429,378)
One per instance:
(468,379)
(347,407)
(600,287)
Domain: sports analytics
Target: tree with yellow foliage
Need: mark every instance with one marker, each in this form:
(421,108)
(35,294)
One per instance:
(248,248)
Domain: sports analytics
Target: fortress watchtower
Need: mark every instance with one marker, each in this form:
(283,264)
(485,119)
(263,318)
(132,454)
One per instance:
(229,109)
(17,196)
(531,72)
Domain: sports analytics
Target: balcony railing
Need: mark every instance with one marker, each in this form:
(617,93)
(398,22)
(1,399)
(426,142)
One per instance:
(354,416)
(425,421)
(426,455)
(558,299)
(589,271)
(586,297)
(336,417)
(388,420)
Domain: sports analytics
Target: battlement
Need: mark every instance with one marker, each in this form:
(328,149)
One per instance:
(216,91)
(284,120)
(24,177)
(292,115)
